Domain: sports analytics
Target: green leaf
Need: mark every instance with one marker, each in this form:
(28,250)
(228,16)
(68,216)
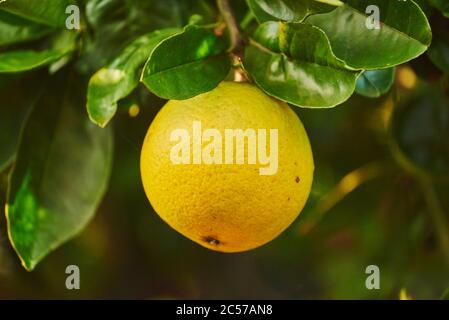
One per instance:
(442,5)
(439,54)
(375,83)
(397,41)
(14,29)
(187,64)
(301,68)
(24,60)
(114,82)
(116,23)
(48,12)
(61,173)
(289,10)
(420,127)
(14,109)
(425,6)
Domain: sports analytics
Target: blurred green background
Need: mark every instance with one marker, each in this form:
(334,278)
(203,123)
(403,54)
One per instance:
(364,209)
(380,197)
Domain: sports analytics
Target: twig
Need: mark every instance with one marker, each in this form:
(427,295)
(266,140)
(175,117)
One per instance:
(233,28)
(347,184)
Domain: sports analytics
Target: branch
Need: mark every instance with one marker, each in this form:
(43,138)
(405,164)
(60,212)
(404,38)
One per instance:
(231,23)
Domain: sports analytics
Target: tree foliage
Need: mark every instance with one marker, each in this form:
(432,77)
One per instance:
(308,53)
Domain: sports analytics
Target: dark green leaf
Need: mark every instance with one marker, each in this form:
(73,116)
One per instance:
(420,129)
(439,54)
(48,12)
(374,83)
(289,10)
(303,70)
(270,34)
(14,29)
(425,6)
(24,60)
(118,79)
(60,175)
(187,64)
(14,108)
(442,5)
(116,23)
(398,40)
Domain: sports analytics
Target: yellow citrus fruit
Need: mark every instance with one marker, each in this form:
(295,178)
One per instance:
(227,206)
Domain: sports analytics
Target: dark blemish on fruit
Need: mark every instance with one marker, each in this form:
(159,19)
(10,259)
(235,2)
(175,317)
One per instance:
(288,199)
(297,179)
(211,240)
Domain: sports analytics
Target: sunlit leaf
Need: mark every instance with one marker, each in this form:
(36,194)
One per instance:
(115,81)
(187,64)
(295,63)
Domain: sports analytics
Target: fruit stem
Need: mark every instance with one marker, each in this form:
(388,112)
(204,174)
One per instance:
(234,31)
